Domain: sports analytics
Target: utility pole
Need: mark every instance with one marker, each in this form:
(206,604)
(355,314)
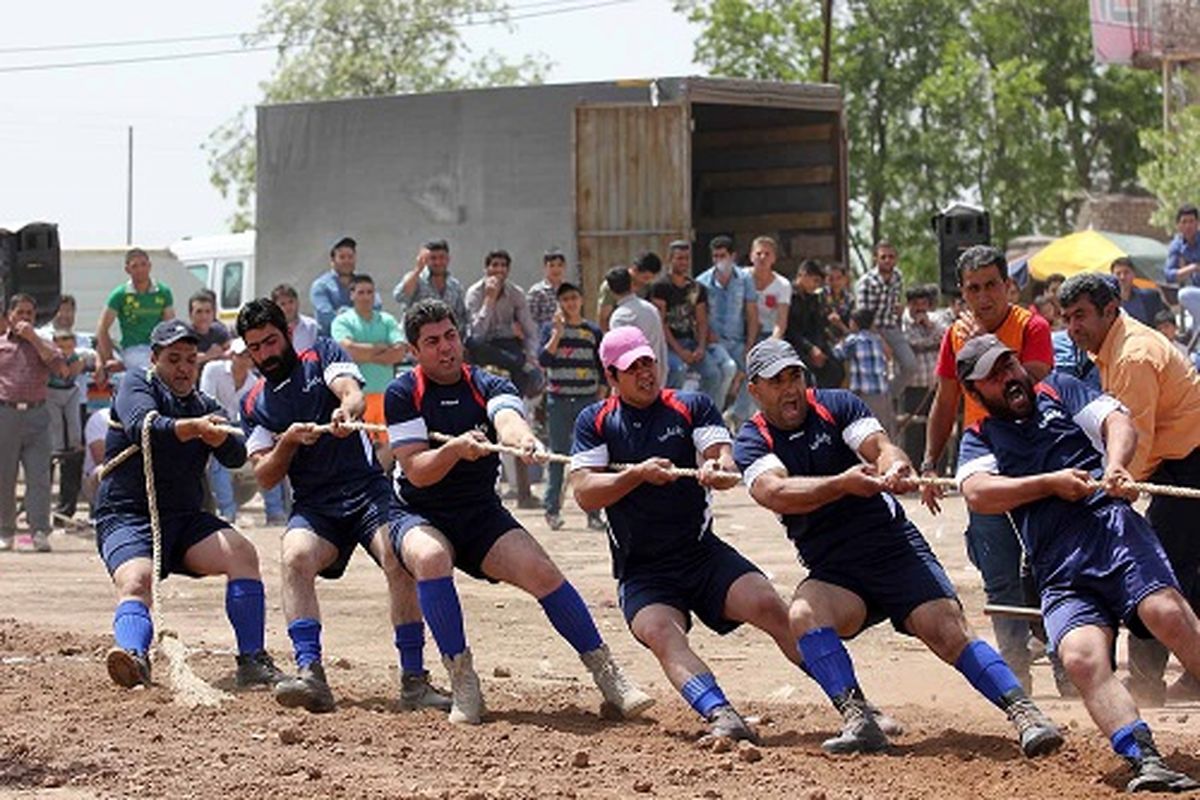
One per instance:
(827,19)
(129,192)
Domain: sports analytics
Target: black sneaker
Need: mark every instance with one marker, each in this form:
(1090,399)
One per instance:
(128,668)
(417,692)
(728,723)
(309,690)
(595,522)
(860,731)
(1037,734)
(257,669)
(1151,774)
(554,521)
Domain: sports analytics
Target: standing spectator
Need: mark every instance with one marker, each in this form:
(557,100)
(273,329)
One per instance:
(570,354)
(732,316)
(882,291)
(543,295)
(95,432)
(774,291)
(629,309)
(375,342)
(839,301)
(66,422)
(683,306)
(302,328)
(500,331)
(924,332)
(1141,304)
(26,363)
(807,326)
(71,466)
(136,306)
(642,273)
(1183,260)
(865,355)
(430,277)
(330,292)
(212,337)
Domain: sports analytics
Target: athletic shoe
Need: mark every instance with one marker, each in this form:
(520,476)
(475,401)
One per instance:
(619,692)
(886,722)
(128,668)
(24,543)
(553,521)
(728,723)
(860,730)
(1186,689)
(1151,774)
(309,690)
(1037,734)
(416,692)
(258,669)
(466,695)
(41,541)
(595,522)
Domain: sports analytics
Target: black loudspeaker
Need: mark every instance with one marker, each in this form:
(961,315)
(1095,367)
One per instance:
(8,260)
(958,227)
(37,267)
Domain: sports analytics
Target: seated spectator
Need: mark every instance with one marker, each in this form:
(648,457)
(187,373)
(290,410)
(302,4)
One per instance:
(642,274)
(1047,308)
(430,278)
(543,295)
(732,318)
(212,337)
(808,326)
(302,328)
(1141,304)
(683,306)
(500,331)
(1164,323)
(839,301)
(632,310)
(774,291)
(865,355)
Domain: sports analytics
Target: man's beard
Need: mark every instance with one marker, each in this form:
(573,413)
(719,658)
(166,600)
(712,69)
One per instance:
(1002,408)
(276,369)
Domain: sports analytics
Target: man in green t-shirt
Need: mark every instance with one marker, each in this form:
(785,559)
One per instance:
(137,306)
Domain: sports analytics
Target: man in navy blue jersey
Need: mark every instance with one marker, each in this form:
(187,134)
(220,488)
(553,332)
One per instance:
(340,497)
(820,460)
(446,512)
(194,543)
(1096,561)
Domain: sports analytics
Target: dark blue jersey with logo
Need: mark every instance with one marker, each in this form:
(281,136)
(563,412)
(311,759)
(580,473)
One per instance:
(652,525)
(826,443)
(330,473)
(416,406)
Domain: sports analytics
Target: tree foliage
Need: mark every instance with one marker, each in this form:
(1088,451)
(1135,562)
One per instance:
(992,101)
(1173,172)
(330,49)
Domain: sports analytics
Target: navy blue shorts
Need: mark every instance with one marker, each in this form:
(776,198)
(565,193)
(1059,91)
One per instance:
(471,531)
(698,584)
(355,522)
(1106,591)
(121,536)
(892,570)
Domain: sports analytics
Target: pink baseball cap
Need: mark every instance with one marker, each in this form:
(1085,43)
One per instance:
(622,346)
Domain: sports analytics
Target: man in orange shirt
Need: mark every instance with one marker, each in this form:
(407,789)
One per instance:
(1144,371)
(992,543)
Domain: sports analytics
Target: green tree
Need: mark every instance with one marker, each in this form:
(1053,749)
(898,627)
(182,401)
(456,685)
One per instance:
(1173,171)
(358,48)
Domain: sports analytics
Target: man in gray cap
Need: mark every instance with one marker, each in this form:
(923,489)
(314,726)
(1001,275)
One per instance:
(820,460)
(1055,457)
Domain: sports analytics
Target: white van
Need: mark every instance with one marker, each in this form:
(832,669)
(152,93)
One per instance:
(225,264)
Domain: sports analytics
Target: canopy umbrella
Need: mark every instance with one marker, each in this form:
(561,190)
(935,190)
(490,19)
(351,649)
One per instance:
(1094,251)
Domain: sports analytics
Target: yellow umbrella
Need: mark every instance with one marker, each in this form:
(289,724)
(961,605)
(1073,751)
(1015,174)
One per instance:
(1094,251)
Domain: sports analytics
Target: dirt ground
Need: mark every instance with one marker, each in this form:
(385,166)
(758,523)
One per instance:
(67,732)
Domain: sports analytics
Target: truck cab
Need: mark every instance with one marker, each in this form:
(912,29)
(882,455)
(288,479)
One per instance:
(224,264)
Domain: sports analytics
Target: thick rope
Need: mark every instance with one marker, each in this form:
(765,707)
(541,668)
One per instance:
(123,456)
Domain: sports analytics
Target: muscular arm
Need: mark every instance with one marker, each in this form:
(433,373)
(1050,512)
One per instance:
(997,494)
(104,342)
(781,318)
(796,494)
(941,418)
(1120,439)
(1037,369)
(349,392)
(595,489)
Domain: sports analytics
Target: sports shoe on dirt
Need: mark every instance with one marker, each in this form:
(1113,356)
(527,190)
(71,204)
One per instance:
(619,692)
(1037,734)
(41,541)
(553,521)
(886,722)
(258,669)
(128,668)
(726,722)
(466,695)
(860,730)
(417,692)
(308,689)
(1150,771)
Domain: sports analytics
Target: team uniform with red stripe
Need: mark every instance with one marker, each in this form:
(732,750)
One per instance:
(863,544)
(663,547)
(463,505)
(339,491)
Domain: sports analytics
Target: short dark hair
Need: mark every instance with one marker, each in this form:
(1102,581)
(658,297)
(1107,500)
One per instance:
(648,261)
(679,244)
(554,254)
(426,312)
(838,266)
(345,241)
(917,293)
(202,296)
(1100,290)
(981,256)
(284,290)
(437,244)
(811,266)
(1121,261)
(618,280)
(566,288)
(1054,277)
(17,299)
(135,252)
(1163,316)
(360,277)
(1187,209)
(501,254)
(66,299)
(259,313)
(722,241)
(882,243)
(864,318)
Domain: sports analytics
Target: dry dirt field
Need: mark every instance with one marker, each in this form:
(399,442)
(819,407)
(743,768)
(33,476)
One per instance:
(66,732)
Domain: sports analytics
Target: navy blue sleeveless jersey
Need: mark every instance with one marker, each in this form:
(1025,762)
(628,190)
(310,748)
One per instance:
(333,469)
(415,406)
(652,525)
(826,443)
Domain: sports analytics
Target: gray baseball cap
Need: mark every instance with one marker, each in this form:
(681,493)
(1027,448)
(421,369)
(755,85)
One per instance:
(978,356)
(770,357)
(170,331)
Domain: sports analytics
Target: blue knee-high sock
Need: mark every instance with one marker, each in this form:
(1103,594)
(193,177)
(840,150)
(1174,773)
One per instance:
(987,672)
(1124,742)
(570,617)
(305,634)
(132,627)
(246,607)
(828,661)
(410,641)
(443,612)
(703,694)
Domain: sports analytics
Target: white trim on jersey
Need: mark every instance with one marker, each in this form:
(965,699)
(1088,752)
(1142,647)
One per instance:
(408,432)
(986,464)
(1091,419)
(259,439)
(706,436)
(340,368)
(503,401)
(857,432)
(590,459)
(768,463)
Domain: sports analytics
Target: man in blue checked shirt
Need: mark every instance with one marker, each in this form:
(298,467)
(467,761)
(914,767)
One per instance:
(865,356)
(732,314)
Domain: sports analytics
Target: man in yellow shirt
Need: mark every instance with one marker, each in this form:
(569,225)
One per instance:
(1142,369)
